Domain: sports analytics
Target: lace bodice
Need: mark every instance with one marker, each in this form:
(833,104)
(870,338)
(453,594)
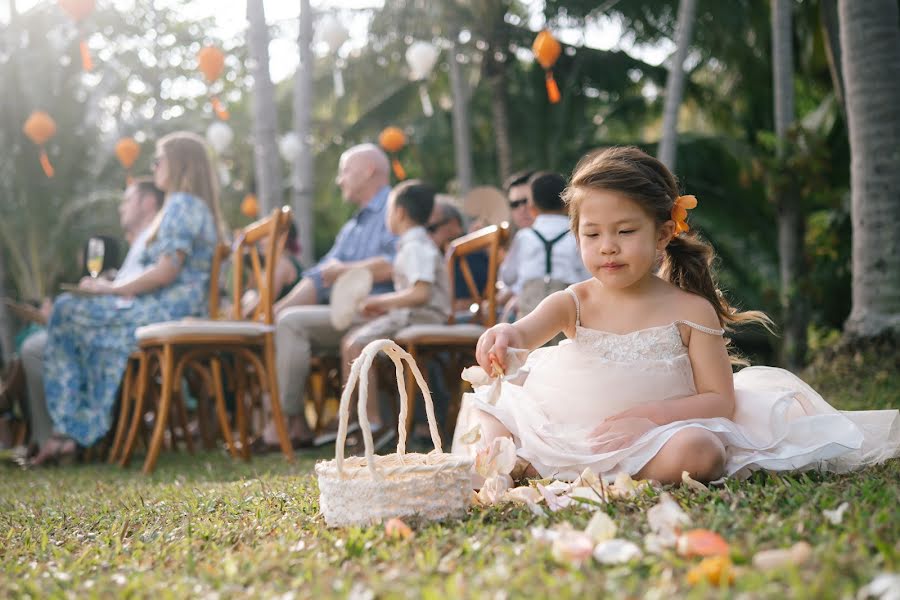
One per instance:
(653,343)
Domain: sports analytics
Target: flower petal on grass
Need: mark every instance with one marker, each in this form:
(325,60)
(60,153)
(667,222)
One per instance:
(616,552)
(766,560)
(601,528)
(397,529)
(523,495)
(836,516)
(714,570)
(554,502)
(494,489)
(572,547)
(667,517)
(885,586)
(702,542)
(692,483)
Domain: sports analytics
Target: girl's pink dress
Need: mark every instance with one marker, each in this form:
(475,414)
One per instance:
(780,423)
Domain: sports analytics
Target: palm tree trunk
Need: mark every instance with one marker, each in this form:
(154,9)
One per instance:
(265,126)
(496,76)
(668,143)
(790,216)
(828,18)
(462,135)
(303,183)
(870,43)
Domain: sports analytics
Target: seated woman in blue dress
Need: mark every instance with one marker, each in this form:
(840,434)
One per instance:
(90,335)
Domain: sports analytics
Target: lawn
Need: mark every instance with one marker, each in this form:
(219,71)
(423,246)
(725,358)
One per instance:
(207,526)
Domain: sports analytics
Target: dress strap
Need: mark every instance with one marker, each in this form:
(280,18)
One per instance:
(708,330)
(577,306)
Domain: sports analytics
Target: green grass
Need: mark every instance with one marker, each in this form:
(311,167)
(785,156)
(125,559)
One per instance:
(205,525)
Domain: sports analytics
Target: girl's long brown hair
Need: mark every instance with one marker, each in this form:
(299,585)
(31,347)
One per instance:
(688,259)
(190,170)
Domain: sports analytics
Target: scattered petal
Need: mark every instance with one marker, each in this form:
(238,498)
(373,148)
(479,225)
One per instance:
(601,528)
(836,515)
(477,376)
(797,554)
(666,517)
(616,551)
(715,570)
(535,509)
(396,528)
(299,546)
(588,479)
(624,485)
(885,586)
(497,458)
(558,487)
(656,543)
(702,542)
(586,497)
(692,483)
(494,489)
(554,502)
(471,436)
(572,547)
(523,495)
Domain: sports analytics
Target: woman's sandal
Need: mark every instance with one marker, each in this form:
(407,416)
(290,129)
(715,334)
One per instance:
(58,450)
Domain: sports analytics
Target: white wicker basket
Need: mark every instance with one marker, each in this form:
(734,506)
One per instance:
(365,490)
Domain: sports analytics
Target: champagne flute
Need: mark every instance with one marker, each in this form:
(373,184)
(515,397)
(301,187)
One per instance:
(95,252)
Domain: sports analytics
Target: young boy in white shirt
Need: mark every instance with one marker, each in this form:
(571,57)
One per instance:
(543,258)
(421,286)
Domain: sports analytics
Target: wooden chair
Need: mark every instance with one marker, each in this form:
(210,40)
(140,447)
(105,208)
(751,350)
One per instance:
(423,342)
(128,390)
(248,342)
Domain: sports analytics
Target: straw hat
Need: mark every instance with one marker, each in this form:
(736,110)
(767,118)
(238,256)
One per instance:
(348,291)
(487,203)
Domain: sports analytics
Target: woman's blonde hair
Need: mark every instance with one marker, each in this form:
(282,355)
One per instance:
(688,259)
(190,171)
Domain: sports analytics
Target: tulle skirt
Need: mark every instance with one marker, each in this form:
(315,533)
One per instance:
(780,424)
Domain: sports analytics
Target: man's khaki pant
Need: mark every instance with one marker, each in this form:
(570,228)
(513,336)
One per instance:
(301,333)
(33,363)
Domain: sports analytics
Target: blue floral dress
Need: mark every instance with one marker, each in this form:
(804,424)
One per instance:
(90,337)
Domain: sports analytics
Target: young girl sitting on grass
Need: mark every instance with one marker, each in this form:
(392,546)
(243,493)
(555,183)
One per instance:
(645,385)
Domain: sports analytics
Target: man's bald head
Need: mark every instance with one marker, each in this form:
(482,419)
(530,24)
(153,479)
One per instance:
(363,170)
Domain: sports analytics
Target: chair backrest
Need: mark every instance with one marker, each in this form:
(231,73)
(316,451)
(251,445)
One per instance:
(270,233)
(489,239)
(220,255)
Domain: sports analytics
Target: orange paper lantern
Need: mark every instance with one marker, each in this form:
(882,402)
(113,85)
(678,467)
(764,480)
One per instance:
(40,127)
(546,51)
(392,139)
(78,10)
(127,151)
(211,62)
(250,206)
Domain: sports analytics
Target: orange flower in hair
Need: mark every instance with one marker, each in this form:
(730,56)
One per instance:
(679,212)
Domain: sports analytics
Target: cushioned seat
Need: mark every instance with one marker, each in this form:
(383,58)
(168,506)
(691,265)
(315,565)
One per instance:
(461,332)
(205,327)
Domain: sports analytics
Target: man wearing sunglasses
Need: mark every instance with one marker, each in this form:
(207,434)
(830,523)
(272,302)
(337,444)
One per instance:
(518,193)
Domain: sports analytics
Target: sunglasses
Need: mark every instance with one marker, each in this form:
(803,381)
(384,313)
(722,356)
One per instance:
(432,227)
(514,204)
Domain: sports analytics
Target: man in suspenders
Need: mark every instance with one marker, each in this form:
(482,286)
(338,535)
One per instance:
(543,258)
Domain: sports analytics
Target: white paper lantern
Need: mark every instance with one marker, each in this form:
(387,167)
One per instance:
(219,135)
(289,146)
(332,32)
(421,58)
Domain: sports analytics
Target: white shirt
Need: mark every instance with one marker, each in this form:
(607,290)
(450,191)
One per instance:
(132,265)
(418,259)
(526,258)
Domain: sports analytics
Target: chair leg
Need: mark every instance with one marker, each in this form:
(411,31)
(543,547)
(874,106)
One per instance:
(317,393)
(221,412)
(274,400)
(240,407)
(124,409)
(162,412)
(137,414)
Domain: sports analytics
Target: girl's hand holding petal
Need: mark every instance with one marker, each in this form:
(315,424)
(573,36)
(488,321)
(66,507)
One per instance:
(493,344)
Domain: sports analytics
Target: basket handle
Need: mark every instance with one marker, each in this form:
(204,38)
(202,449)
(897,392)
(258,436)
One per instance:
(359,374)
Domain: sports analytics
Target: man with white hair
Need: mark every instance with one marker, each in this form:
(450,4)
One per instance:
(303,323)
